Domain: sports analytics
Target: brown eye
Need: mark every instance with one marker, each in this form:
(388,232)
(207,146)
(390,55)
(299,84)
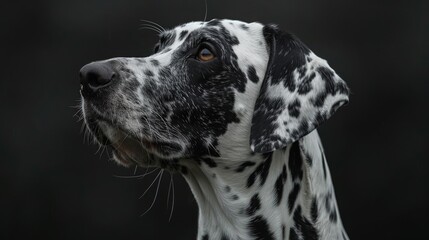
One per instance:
(205,55)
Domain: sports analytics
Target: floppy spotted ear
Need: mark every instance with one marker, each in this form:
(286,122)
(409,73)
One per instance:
(298,93)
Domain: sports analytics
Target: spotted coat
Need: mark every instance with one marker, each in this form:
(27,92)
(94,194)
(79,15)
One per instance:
(240,128)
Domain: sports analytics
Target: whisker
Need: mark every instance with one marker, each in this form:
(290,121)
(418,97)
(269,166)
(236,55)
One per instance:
(145,26)
(151,184)
(214,148)
(135,170)
(156,194)
(143,151)
(168,193)
(152,26)
(154,23)
(137,176)
(79,111)
(165,124)
(205,14)
(172,205)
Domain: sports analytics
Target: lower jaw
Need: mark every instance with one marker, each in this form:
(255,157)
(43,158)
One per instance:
(123,160)
(129,151)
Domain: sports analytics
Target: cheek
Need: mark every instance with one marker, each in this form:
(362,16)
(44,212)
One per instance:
(202,72)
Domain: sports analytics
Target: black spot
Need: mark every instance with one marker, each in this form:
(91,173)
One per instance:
(251,74)
(209,161)
(328,202)
(131,87)
(323,164)
(251,179)
(293,195)
(319,118)
(319,100)
(224,237)
(294,108)
(278,186)
(167,38)
(227,189)
(259,229)
(244,27)
(301,71)
(148,73)
(261,171)
(264,122)
(287,53)
(154,62)
(205,237)
(293,235)
(213,22)
(169,147)
(305,227)
(244,165)
(305,85)
(302,129)
(182,34)
(235,197)
(265,170)
(307,157)
(156,48)
(335,106)
(331,86)
(199,99)
(314,210)
(234,41)
(254,205)
(295,161)
(132,84)
(283,231)
(333,215)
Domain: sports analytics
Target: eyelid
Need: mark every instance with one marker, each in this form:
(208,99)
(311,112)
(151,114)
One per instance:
(207,45)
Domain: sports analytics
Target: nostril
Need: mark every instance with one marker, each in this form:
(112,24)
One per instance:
(96,75)
(95,79)
(98,79)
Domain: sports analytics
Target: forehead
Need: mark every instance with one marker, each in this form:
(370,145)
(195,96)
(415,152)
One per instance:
(239,29)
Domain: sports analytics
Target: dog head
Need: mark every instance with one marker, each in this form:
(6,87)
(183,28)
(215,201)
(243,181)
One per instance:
(210,88)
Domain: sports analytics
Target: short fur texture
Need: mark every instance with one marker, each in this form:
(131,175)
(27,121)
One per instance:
(239,128)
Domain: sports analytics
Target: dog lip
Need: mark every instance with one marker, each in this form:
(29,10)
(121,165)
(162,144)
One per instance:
(128,148)
(163,147)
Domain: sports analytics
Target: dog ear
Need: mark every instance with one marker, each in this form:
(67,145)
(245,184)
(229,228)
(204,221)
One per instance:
(298,93)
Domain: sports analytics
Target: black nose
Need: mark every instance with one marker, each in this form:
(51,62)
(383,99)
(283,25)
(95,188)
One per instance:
(95,76)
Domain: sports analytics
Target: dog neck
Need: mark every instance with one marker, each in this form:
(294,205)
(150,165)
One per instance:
(281,195)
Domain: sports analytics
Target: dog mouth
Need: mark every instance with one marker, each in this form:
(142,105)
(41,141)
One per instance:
(129,150)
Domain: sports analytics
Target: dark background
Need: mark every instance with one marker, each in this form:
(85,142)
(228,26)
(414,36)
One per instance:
(53,186)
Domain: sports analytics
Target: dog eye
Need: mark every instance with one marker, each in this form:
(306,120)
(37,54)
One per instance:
(205,55)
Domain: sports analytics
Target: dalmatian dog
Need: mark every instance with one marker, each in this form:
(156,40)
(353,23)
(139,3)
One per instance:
(233,108)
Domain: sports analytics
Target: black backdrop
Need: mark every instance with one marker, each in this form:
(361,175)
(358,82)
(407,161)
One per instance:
(54,186)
